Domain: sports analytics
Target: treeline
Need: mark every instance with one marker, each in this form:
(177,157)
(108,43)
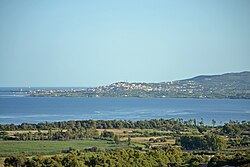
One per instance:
(167,156)
(69,134)
(170,124)
(98,124)
(235,129)
(237,132)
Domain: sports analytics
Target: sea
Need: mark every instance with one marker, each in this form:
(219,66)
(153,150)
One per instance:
(17,108)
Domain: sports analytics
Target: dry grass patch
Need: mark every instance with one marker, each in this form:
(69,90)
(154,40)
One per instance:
(146,139)
(117,131)
(169,141)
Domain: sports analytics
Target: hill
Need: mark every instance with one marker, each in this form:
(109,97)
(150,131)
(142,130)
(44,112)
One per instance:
(229,85)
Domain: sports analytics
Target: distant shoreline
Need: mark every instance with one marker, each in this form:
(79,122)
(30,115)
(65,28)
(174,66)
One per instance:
(225,86)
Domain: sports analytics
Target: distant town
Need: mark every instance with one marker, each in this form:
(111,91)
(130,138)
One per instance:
(230,85)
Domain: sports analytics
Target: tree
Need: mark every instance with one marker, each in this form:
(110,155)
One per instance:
(15,161)
(107,134)
(129,140)
(201,122)
(215,142)
(117,139)
(4,135)
(195,122)
(213,122)
(231,129)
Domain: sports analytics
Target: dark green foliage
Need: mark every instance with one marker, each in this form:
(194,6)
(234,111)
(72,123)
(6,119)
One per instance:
(170,124)
(18,160)
(233,129)
(193,142)
(169,156)
(4,136)
(207,142)
(235,160)
(107,134)
(101,124)
(196,160)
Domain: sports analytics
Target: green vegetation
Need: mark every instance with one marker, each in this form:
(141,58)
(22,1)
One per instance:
(173,142)
(206,142)
(160,157)
(91,125)
(242,159)
(50,147)
(167,156)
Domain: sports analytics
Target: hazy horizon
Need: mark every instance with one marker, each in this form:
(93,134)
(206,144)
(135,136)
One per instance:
(93,43)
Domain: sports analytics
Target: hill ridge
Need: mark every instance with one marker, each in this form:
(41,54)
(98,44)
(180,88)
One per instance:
(228,85)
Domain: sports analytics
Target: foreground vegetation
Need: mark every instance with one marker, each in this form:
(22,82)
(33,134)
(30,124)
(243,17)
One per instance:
(165,156)
(126,143)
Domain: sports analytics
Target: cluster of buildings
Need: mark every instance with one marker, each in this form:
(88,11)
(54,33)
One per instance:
(185,86)
(177,86)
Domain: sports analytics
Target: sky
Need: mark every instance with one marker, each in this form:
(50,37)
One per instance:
(96,42)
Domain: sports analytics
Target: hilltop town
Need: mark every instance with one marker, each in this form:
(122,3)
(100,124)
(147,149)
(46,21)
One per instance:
(230,85)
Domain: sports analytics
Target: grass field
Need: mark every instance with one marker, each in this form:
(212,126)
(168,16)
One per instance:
(49,147)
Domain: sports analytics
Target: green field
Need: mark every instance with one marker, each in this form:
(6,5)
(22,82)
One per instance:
(49,147)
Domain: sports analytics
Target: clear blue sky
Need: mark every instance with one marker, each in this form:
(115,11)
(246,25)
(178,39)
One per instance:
(96,42)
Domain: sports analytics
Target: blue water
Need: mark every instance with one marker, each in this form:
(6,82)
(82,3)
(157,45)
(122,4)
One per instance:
(19,109)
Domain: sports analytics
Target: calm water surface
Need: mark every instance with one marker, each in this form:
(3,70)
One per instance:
(18,109)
